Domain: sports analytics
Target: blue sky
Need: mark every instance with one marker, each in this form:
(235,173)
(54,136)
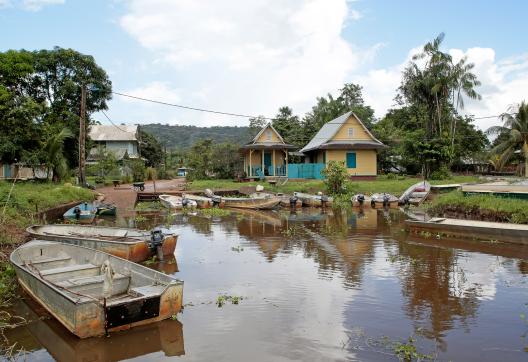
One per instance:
(252,57)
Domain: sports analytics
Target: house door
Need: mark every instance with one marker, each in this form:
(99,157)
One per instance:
(351,160)
(267,164)
(7,170)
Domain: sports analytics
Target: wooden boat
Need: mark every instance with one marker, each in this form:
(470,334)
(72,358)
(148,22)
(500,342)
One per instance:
(360,200)
(106,209)
(416,194)
(176,202)
(83,213)
(314,200)
(290,201)
(383,200)
(203,202)
(131,244)
(257,201)
(91,292)
(482,230)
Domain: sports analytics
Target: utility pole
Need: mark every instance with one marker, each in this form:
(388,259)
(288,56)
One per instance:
(82,137)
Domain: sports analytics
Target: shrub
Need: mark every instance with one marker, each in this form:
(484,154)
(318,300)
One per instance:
(442,173)
(151,173)
(391,176)
(336,176)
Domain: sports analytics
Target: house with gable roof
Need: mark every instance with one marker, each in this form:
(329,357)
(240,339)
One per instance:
(266,155)
(345,139)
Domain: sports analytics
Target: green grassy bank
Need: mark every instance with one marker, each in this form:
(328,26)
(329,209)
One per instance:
(26,199)
(381,184)
(480,207)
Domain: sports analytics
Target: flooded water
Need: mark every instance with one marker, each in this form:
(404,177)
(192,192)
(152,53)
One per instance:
(316,286)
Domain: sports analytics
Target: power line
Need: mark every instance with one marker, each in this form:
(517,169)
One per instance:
(240,114)
(113,124)
(191,108)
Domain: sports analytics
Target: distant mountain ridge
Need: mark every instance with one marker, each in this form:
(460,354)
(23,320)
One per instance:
(180,137)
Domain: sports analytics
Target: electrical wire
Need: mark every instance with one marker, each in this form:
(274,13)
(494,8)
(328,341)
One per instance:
(113,124)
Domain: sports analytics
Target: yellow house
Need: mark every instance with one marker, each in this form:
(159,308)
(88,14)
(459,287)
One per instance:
(345,139)
(266,155)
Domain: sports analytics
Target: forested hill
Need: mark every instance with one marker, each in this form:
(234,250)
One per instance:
(178,137)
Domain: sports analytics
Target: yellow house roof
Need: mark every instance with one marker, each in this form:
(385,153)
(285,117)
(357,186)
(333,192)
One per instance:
(261,141)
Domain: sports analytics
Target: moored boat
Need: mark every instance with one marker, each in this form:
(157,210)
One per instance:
(91,292)
(203,202)
(314,200)
(83,213)
(131,244)
(383,200)
(360,200)
(416,194)
(176,202)
(106,209)
(258,201)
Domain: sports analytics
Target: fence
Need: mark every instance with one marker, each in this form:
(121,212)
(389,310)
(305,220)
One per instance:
(306,170)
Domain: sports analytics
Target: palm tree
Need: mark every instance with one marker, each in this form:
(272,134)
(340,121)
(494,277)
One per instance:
(54,153)
(516,126)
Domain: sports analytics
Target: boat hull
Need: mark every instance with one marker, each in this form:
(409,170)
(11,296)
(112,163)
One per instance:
(90,316)
(86,216)
(251,203)
(136,251)
(312,200)
(201,201)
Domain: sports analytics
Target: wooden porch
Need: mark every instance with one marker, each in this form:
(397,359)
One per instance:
(260,163)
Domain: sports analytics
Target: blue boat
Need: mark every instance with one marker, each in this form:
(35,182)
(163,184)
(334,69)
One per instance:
(83,213)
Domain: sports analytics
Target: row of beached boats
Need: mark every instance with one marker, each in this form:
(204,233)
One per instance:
(260,200)
(87,278)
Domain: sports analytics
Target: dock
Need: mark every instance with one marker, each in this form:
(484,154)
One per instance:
(481,230)
(507,191)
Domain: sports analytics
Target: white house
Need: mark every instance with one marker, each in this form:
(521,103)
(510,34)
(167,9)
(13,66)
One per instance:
(121,140)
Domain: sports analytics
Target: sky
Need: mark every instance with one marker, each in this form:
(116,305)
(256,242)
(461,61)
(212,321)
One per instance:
(252,57)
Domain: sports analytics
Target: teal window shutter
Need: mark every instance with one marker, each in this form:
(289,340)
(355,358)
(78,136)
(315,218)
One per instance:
(351,160)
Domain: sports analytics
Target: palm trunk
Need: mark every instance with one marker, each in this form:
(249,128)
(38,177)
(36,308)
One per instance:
(525,148)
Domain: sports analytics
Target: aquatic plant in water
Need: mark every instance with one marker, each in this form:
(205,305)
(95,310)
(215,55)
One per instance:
(223,299)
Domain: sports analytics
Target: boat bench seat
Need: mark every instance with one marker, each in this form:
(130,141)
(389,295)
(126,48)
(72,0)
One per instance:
(70,271)
(82,281)
(149,290)
(50,260)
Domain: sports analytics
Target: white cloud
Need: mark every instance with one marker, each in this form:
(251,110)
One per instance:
(29,5)
(504,83)
(248,57)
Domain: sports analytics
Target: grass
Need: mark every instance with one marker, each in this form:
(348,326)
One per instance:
(485,207)
(381,184)
(27,199)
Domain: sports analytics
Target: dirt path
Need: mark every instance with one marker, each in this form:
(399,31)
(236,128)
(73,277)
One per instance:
(124,196)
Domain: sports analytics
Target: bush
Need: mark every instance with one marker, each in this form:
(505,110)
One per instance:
(126,179)
(99,180)
(336,176)
(151,173)
(442,173)
(391,176)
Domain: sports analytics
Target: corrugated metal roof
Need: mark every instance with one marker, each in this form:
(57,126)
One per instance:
(113,133)
(329,130)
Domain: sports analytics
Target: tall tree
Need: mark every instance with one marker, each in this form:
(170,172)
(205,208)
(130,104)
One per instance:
(516,125)
(288,125)
(150,149)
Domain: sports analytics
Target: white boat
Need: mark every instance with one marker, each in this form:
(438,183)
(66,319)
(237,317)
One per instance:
(416,194)
(176,202)
(314,200)
(383,200)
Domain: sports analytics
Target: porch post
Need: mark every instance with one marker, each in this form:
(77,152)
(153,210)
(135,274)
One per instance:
(286,152)
(250,164)
(274,164)
(262,159)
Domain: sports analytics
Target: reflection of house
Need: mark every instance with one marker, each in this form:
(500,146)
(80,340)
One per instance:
(121,140)
(266,154)
(345,139)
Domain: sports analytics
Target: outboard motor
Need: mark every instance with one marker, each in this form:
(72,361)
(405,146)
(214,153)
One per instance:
(156,242)
(185,202)
(386,199)
(77,212)
(217,200)
(324,200)
(293,201)
(361,199)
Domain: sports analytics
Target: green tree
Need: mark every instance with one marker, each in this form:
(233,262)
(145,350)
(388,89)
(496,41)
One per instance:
(200,160)
(516,125)
(150,149)
(255,125)
(335,175)
(53,149)
(289,126)
(225,161)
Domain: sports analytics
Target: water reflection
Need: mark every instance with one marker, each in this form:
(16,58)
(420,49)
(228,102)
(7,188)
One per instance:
(310,277)
(47,332)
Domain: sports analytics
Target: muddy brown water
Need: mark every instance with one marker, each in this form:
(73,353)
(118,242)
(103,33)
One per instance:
(316,286)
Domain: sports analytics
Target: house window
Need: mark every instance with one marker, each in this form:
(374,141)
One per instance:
(268,135)
(351,132)
(351,160)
